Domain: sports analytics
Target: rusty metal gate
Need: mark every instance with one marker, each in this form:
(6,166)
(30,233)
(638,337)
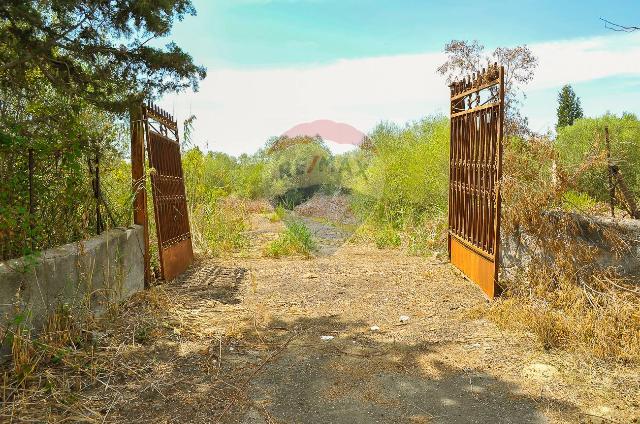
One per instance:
(475,169)
(160,130)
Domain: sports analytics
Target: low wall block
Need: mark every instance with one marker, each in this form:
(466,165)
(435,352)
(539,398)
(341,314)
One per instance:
(89,274)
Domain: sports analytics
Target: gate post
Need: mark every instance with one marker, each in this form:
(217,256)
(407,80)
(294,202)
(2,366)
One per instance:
(139,184)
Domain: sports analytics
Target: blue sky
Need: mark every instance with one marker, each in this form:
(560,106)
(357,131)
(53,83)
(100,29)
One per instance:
(273,63)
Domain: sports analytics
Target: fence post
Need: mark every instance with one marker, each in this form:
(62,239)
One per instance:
(32,202)
(139,186)
(97,194)
(612,187)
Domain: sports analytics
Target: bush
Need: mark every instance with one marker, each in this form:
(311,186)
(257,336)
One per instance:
(405,185)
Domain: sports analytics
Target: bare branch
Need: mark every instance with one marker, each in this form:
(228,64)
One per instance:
(617,27)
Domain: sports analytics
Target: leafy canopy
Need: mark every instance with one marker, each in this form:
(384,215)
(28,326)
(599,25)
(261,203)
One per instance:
(97,50)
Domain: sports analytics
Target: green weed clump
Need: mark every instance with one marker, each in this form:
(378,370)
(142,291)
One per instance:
(576,201)
(295,240)
(278,214)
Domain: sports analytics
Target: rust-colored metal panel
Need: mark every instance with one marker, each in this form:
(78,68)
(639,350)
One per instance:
(169,196)
(177,258)
(474,265)
(475,170)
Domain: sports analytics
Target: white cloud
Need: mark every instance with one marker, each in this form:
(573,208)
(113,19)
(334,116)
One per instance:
(237,110)
(576,61)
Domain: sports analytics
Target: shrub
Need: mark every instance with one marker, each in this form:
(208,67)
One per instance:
(405,184)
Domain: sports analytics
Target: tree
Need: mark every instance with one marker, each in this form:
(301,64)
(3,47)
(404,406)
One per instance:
(95,50)
(465,58)
(569,108)
(69,69)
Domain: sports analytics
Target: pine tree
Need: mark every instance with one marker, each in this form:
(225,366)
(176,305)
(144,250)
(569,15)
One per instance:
(97,51)
(569,108)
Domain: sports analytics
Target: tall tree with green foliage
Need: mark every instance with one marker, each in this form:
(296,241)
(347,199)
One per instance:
(98,50)
(569,108)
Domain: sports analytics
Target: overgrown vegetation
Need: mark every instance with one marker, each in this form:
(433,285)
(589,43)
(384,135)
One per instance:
(402,192)
(583,145)
(69,71)
(561,293)
(57,204)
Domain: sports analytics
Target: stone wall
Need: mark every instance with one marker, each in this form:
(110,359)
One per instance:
(615,242)
(88,274)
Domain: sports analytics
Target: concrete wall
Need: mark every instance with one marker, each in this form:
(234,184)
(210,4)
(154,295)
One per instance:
(94,272)
(615,242)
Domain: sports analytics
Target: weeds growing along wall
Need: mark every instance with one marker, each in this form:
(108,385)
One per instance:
(565,295)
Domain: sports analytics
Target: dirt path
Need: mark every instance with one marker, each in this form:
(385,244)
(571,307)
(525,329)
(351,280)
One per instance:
(256,340)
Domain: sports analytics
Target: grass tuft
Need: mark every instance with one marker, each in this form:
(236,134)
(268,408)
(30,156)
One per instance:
(295,240)
(278,214)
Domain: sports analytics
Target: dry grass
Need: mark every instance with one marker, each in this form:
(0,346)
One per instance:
(71,353)
(563,296)
(84,369)
(48,369)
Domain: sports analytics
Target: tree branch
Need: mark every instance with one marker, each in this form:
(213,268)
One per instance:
(48,45)
(620,28)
